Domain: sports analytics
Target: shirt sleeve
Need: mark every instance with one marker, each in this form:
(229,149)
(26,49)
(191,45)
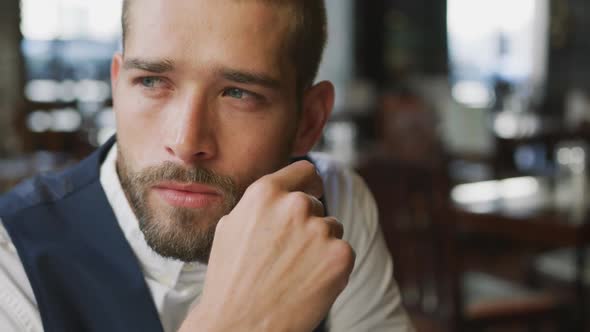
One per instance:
(371,301)
(18,308)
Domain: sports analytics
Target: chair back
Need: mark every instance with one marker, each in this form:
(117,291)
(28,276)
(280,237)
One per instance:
(412,201)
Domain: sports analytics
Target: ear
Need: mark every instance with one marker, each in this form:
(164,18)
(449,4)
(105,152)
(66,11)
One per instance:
(318,102)
(116,65)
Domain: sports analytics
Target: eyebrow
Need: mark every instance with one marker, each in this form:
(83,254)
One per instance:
(244,77)
(238,76)
(155,66)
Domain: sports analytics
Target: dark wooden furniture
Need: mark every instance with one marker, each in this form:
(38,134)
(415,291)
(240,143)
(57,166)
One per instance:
(407,202)
(530,216)
(419,226)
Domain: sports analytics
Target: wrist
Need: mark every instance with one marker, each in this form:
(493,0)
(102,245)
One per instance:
(199,321)
(202,320)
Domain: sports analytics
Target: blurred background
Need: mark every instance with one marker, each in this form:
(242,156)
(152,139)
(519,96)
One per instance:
(468,119)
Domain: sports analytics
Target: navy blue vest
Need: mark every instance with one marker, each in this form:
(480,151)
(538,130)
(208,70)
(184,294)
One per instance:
(83,272)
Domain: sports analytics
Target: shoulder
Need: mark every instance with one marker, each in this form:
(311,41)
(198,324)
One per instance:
(347,196)
(340,181)
(49,187)
(34,191)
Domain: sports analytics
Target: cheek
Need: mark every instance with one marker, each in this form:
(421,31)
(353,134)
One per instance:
(268,135)
(256,148)
(138,128)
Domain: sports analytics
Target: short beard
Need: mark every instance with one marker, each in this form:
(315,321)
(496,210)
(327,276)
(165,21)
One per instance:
(175,232)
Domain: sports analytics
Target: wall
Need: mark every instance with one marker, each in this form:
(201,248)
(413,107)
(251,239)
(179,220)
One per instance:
(338,61)
(10,75)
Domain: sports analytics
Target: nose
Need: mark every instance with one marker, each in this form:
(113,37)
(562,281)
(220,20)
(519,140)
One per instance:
(192,136)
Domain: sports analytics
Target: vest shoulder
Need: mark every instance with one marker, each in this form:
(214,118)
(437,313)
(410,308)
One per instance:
(43,189)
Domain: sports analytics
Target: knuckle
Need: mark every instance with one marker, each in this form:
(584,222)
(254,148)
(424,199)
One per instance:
(300,202)
(309,167)
(320,229)
(261,188)
(343,256)
(306,166)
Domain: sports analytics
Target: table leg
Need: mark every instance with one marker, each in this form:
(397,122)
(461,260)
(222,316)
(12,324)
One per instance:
(581,300)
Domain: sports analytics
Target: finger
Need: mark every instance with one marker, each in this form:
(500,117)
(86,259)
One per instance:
(317,207)
(336,228)
(300,202)
(300,176)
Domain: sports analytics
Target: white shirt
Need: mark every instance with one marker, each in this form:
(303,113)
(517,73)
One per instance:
(370,302)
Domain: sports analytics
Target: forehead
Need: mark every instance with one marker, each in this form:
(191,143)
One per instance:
(245,34)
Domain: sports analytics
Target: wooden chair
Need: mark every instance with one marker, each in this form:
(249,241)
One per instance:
(416,218)
(567,270)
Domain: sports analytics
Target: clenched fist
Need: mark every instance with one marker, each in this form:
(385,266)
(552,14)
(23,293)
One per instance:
(277,263)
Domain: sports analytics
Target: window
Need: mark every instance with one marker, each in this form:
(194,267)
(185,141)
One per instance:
(67,49)
(501,40)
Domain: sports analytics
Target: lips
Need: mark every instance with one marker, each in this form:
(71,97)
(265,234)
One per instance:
(192,195)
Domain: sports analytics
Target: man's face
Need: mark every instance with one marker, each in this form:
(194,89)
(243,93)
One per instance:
(205,102)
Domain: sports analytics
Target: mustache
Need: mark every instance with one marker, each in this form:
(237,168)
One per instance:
(169,171)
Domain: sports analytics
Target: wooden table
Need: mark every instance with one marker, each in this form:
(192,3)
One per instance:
(532,210)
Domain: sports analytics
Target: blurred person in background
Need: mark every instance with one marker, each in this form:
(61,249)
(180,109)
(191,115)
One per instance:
(408,131)
(197,216)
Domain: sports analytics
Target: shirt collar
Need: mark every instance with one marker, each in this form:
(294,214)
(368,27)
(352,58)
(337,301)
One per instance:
(164,270)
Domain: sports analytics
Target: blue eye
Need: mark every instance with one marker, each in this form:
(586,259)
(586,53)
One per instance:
(150,82)
(234,93)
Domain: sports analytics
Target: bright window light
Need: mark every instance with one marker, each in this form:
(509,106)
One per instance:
(71,19)
(489,191)
(489,17)
(504,39)
(473,94)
